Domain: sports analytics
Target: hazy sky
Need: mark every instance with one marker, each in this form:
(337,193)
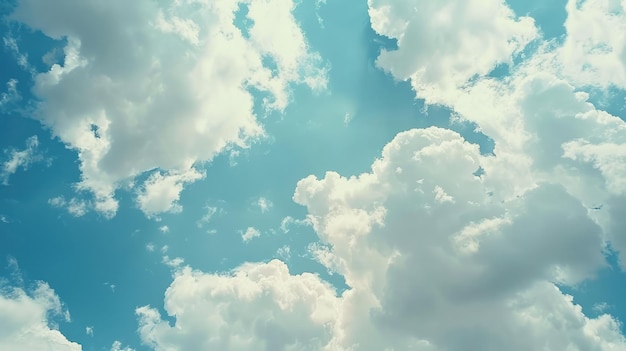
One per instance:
(332,175)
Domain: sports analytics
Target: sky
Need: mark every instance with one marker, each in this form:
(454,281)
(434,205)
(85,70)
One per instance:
(313,175)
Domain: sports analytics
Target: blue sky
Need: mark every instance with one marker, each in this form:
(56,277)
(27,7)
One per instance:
(312,175)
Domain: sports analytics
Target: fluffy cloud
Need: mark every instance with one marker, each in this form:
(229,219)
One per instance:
(20,159)
(250,234)
(162,86)
(257,307)
(117,346)
(593,51)
(432,257)
(444,44)
(435,255)
(25,320)
(160,193)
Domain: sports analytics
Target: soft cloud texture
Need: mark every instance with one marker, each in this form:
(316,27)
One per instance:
(162,86)
(25,320)
(250,234)
(593,51)
(438,41)
(16,159)
(257,307)
(435,255)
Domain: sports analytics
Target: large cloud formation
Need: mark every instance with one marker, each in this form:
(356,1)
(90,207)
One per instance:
(25,320)
(162,85)
(442,247)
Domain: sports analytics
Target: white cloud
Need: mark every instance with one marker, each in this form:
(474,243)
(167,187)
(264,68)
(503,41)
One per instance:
(20,159)
(11,95)
(289,221)
(164,229)
(160,193)
(444,44)
(117,346)
(27,320)
(264,204)
(145,103)
(592,53)
(211,211)
(75,207)
(89,330)
(250,234)
(422,273)
(150,247)
(284,253)
(257,307)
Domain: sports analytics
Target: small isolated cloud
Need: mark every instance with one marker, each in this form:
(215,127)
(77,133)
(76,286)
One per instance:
(284,253)
(164,249)
(117,346)
(250,234)
(150,247)
(89,330)
(264,204)
(164,229)
(4,219)
(75,207)
(173,263)
(210,213)
(347,118)
(110,286)
(11,95)
(289,221)
(20,159)
(160,192)
(27,320)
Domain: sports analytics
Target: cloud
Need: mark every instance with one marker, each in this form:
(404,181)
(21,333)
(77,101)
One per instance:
(264,204)
(117,346)
(11,95)
(592,53)
(437,41)
(75,207)
(20,159)
(160,193)
(435,255)
(162,86)
(89,330)
(250,234)
(256,307)
(422,273)
(27,320)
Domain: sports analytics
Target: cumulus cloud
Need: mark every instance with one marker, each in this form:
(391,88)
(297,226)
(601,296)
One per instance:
(256,307)
(20,159)
(435,255)
(160,193)
(117,346)
(162,86)
(593,51)
(27,320)
(437,41)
